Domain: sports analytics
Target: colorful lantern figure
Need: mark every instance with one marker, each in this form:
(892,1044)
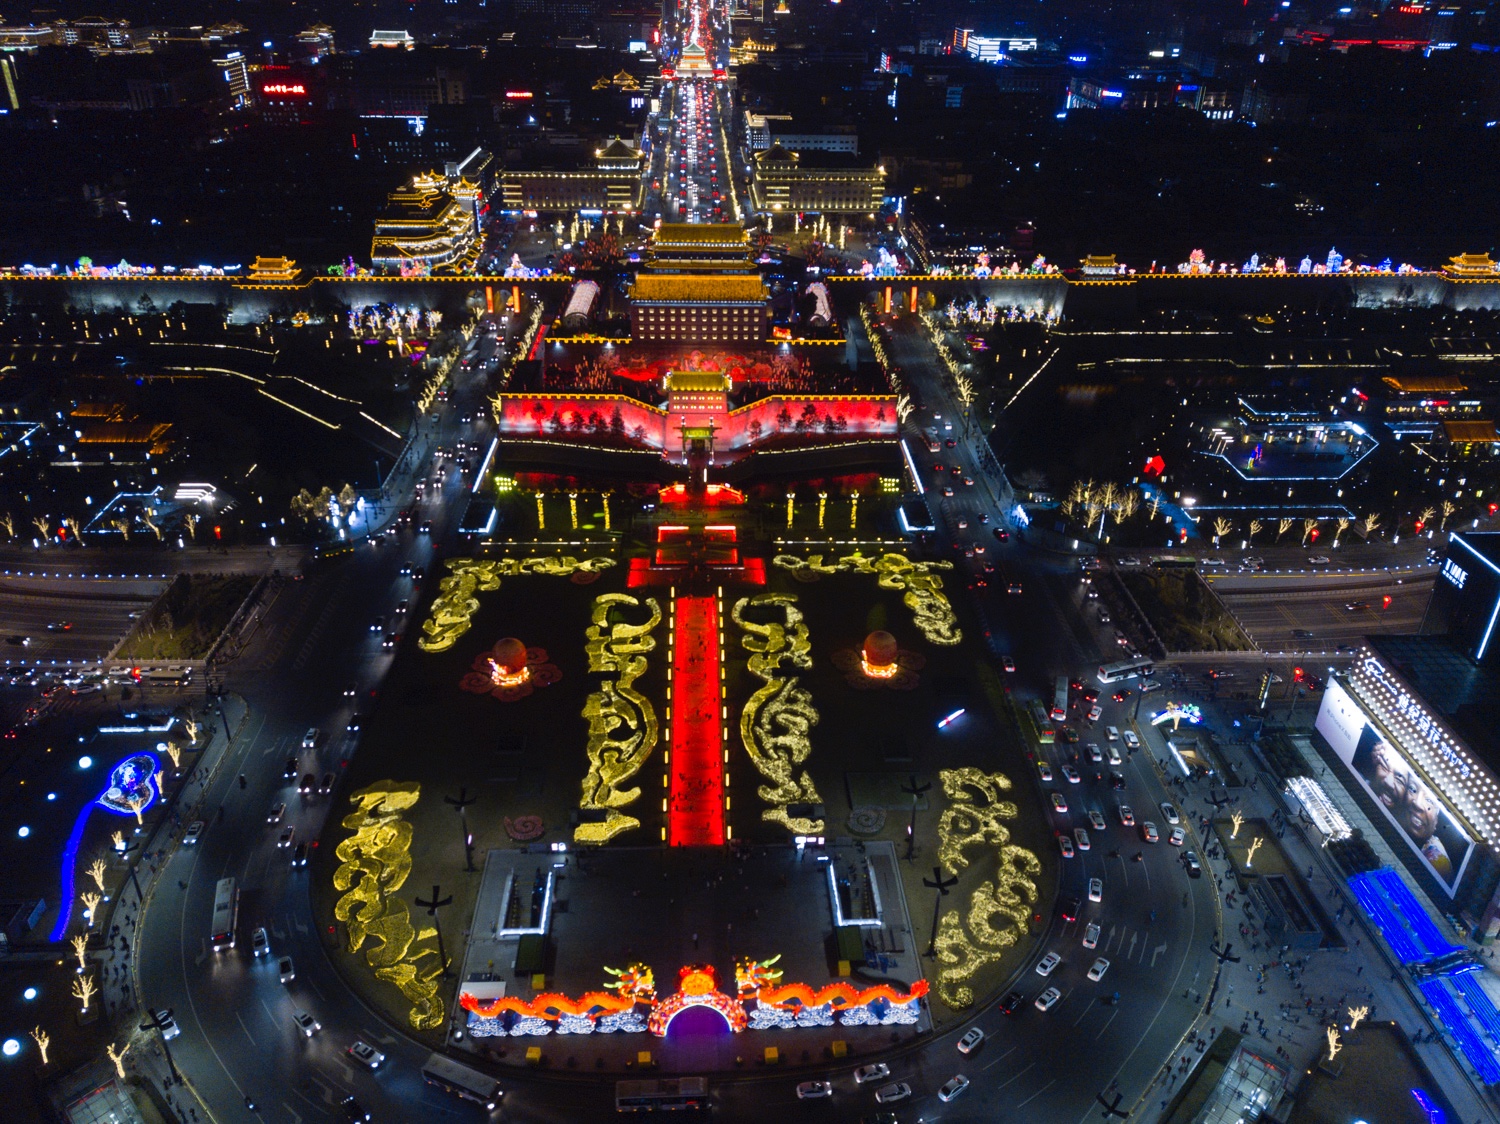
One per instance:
(882,662)
(698,987)
(510,671)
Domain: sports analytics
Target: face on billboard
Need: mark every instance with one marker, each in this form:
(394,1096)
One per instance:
(1408,802)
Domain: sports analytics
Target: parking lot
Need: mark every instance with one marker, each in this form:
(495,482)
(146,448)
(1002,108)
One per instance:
(1319,613)
(68,619)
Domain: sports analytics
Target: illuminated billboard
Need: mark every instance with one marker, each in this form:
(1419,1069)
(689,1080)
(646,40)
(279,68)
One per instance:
(1412,806)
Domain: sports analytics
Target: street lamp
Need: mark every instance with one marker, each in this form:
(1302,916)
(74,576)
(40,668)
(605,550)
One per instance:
(432,905)
(159,1021)
(460,803)
(914,790)
(941,885)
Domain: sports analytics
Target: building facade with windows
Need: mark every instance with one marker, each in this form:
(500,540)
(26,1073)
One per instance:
(821,183)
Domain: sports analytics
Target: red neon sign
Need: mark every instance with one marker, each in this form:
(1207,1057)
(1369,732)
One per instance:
(284,88)
(516,94)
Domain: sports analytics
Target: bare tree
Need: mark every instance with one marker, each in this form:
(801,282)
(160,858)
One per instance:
(96,872)
(1426,517)
(42,524)
(190,523)
(118,1057)
(174,751)
(9,523)
(1222,527)
(1283,525)
(1343,525)
(147,517)
(43,1040)
(80,945)
(1256,526)
(121,525)
(1309,525)
(91,902)
(84,989)
(1370,523)
(75,529)
(1449,507)
(1129,503)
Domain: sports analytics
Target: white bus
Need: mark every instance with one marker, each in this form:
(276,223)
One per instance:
(461,1081)
(1126,669)
(669,1094)
(226,914)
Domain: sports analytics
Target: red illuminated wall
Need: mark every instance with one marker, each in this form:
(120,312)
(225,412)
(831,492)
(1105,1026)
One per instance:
(856,416)
(592,417)
(582,417)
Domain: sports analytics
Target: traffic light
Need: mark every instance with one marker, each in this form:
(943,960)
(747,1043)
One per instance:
(1296,675)
(1494,507)
(1419,526)
(1385,602)
(1314,534)
(217,531)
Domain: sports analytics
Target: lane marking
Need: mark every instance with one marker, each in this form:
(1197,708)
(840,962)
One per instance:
(245,1028)
(1107,1021)
(1013,1077)
(1038,1093)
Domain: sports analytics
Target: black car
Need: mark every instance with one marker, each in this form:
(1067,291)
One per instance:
(354,721)
(353,1110)
(307,784)
(299,855)
(291,770)
(1070,909)
(1012,1003)
(1002,535)
(1117,781)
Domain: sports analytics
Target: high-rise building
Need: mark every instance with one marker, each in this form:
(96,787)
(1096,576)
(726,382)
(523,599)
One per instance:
(237,74)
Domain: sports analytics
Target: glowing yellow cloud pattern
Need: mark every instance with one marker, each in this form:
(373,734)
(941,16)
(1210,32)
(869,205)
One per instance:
(777,720)
(373,864)
(931,610)
(622,723)
(456,604)
(967,944)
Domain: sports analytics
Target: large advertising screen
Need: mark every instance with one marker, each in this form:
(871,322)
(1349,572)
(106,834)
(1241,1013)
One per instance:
(1413,808)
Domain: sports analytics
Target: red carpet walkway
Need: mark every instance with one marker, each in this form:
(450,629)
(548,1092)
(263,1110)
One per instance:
(696,804)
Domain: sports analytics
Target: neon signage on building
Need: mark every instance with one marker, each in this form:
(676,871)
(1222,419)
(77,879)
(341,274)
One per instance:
(284,88)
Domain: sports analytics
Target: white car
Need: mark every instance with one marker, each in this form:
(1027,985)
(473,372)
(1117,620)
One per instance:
(953,1087)
(896,1091)
(871,1073)
(1048,964)
(1096,821)
(286,970)
(260,942)
(366,1054)
(1091,935)
(1096,889)
(1071,773)
(193,833)
(813,1090)
(1148,831)
(1096,973)
(1095,754)
(310,739)
(1048,999)
(1045,769)
(1094,712)
(970,1041)
(1083,838)
(1176,837)
(1170,813)
(275,814)
(1066,845)
(1127,817)
(1131,741)
(169,1027)
(306,1023)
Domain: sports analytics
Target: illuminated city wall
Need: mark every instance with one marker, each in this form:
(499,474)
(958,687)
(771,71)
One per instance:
(855,416)
(1051,294)
(612,418)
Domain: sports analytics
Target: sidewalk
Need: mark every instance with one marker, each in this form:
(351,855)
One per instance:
(1281,1004)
